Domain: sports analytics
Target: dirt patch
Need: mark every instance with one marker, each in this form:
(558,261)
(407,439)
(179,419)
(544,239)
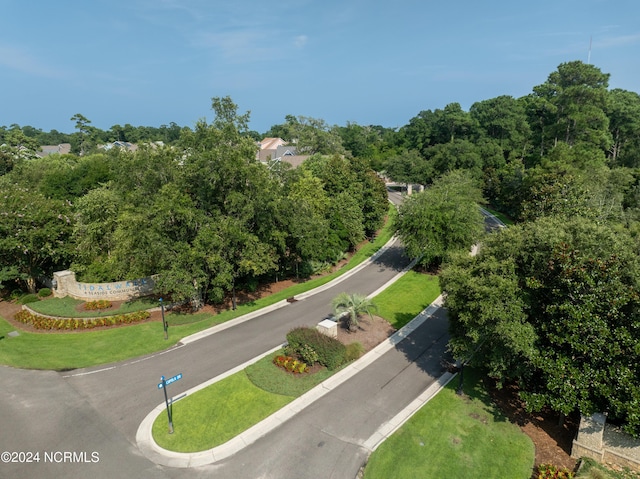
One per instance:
(369,333)
(9,309)
(552,437)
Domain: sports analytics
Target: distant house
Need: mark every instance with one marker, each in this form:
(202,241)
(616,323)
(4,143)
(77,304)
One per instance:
(123,145)
(61,149)
(276,150)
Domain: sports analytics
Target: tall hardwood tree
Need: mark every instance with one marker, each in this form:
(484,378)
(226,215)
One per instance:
(441,220)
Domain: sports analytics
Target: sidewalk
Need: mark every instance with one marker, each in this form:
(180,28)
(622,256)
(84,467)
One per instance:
(161,456)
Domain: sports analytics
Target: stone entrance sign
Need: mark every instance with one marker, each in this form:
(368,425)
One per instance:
(65,284)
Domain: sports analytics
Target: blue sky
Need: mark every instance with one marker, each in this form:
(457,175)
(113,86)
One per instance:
(153,62)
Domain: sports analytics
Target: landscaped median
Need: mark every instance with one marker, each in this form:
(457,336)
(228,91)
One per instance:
(286,396)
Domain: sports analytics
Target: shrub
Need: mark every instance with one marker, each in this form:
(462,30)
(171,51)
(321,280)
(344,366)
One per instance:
(291,364)
(44,292)
(97,304)
(331,352)
(29,298)
(549,471)
(308,354)
(353,351)
(43,322)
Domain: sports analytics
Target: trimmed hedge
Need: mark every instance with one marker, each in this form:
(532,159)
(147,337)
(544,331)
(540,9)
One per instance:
(44,292)
(331,352)
(73,324)
(29,298)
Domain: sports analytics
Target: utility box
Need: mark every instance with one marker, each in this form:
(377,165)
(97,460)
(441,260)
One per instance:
(328,328)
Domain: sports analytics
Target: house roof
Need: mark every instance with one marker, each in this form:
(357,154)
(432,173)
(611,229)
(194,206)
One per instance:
(62,148)
(271,143)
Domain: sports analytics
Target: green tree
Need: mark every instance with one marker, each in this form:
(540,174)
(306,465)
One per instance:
(34,234)
(84,137)
(96,215)
(442,219)
(578,95)
(503,119)
(352,306)
(409,167)
(553,305)
(623,110)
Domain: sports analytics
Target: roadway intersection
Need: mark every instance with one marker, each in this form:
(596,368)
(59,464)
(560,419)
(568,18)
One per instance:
(95,413)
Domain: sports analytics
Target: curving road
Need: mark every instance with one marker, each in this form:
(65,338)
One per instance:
(98,410)
(83,423)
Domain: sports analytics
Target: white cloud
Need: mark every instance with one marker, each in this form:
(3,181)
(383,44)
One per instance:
(238,46)
(300,41)
(617,41)
(22,61)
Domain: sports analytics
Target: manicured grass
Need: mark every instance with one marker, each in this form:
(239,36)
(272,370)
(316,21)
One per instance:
(455,436)
(501,216)
(61,351)
(214,415)
(66,307)
(407,297)
(266,376)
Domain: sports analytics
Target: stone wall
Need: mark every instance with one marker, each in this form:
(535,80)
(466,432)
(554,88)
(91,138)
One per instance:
(65,284)
(605,443)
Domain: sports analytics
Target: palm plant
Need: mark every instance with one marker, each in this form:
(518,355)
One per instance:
(350,307)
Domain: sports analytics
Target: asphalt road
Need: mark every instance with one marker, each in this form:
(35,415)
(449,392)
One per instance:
(83,423)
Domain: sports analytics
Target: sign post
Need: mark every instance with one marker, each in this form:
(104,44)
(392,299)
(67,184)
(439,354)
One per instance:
(166,400)
(163,385)
(165,326)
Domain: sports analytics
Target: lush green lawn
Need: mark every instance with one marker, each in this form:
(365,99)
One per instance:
(407,297)
(62,351)
(455,436)
(214,415)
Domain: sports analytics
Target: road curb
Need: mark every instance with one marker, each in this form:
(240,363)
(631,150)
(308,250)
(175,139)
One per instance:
(281,304)
(164,457)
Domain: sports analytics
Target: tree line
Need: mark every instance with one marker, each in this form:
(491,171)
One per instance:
(550,303)
(203,214)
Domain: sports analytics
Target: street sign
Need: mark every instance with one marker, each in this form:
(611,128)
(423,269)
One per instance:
(170,380)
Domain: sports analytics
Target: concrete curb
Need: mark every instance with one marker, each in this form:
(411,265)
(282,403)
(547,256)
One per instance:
(284,302)
(183,460)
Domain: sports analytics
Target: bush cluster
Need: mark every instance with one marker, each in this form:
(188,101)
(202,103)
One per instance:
(97,304)
(331,353)
(291,364)
(29,298)
(72,324)
(44,292)
(354,351)
(549,471)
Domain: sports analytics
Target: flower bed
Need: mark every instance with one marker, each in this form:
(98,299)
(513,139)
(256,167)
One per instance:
(97,304)
(291,364)
(72,324)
